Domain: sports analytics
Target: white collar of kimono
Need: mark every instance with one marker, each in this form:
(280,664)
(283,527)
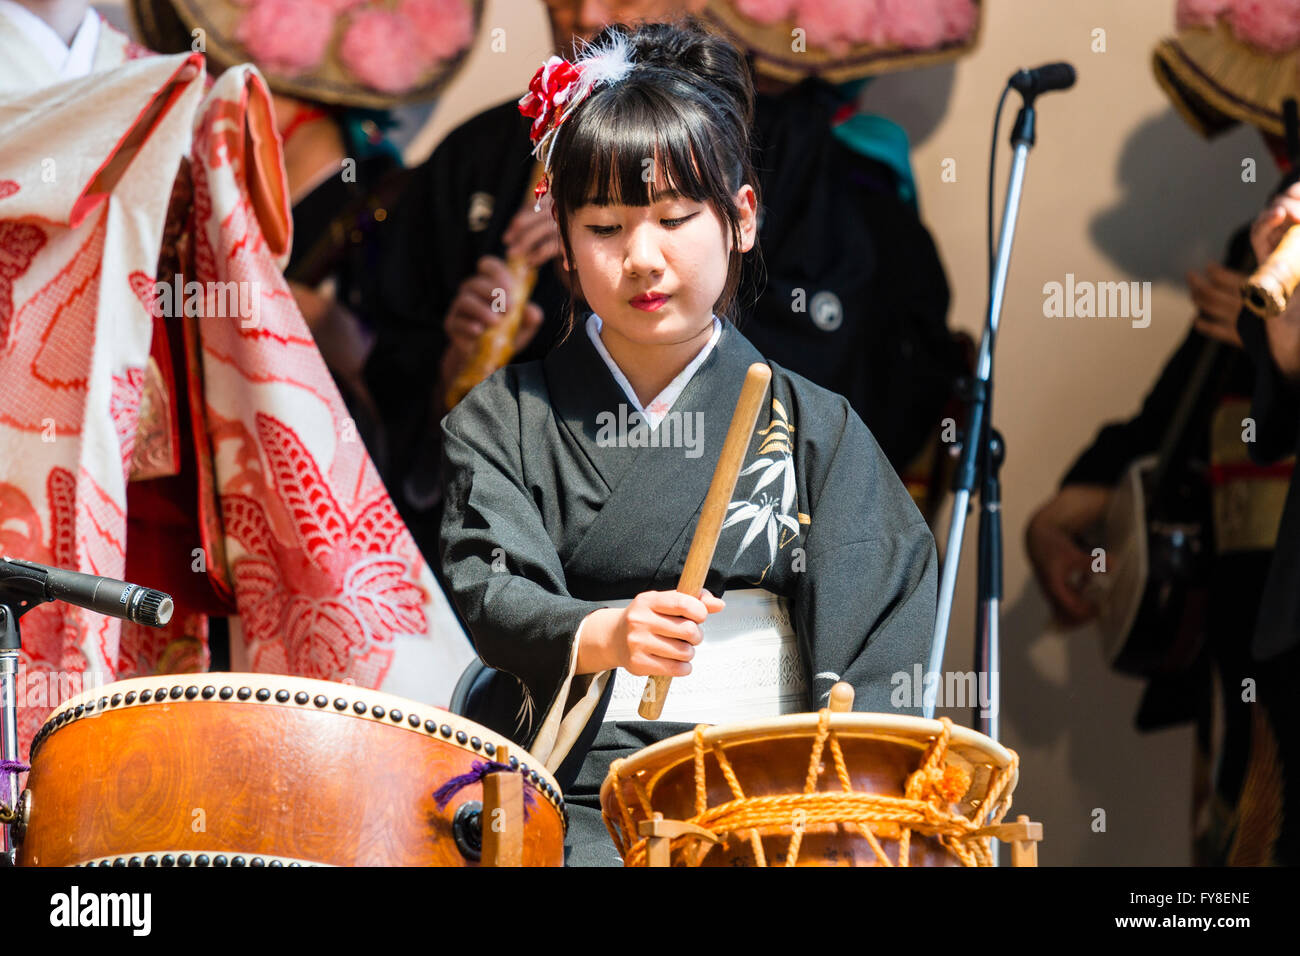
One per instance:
(69,62)
(663,402)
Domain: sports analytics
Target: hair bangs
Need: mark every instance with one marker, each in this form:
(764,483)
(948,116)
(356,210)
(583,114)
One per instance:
(630,150)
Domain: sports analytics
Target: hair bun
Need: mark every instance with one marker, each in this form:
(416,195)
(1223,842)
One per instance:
(687,46)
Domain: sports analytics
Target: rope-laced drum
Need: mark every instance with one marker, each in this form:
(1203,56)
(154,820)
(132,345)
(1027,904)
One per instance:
(262,770)
(820,789)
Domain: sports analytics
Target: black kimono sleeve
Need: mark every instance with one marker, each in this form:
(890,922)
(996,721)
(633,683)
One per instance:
(1275,402)
(1275,407)
(867,600)
(1119,444)
(501,565)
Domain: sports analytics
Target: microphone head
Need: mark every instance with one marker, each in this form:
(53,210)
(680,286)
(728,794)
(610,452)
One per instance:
(1056,76)
(154,608)
(1021,80)
(1043,79)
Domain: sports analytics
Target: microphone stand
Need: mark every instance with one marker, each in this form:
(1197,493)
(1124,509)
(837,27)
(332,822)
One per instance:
(982,452)
(24,586)
(10,646)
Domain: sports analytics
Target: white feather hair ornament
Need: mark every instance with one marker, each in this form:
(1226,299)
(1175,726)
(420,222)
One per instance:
(560,86)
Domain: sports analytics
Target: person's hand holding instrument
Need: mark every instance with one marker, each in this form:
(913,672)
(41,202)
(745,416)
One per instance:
(528,238)
(1216,293)
(705,541)
(1275,237)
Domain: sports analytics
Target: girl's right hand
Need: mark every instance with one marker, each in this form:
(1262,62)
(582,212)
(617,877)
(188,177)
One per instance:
(654,635)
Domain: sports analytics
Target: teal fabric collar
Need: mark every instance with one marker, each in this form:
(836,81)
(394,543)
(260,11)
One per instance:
(884,141)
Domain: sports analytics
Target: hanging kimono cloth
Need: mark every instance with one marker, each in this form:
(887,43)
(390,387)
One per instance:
(295,528)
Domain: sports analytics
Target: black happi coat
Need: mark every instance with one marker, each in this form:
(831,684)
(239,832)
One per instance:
(544,521)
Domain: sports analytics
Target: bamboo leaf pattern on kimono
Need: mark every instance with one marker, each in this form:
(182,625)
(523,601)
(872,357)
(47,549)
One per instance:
(762,509)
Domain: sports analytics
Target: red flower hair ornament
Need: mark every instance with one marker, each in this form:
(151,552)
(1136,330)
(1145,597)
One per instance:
(559,87)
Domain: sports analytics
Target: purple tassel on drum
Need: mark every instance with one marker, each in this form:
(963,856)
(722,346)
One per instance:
(479,769)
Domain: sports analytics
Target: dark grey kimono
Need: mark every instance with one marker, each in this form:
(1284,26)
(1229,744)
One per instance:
(552,509)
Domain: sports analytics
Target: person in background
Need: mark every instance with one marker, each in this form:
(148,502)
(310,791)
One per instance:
(1239,706)
(853,294)
(332,113)
(563,550)
(188,424)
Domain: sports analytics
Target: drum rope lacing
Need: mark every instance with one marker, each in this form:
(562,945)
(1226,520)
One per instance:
(924,806)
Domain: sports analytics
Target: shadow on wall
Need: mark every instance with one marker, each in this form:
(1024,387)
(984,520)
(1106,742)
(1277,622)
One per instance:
(1181,197)
(1064,707)
(916,100)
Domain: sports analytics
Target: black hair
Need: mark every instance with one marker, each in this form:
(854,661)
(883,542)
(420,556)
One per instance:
(688,106)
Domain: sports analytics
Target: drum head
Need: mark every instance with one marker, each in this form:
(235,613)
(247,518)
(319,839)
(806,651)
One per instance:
(772,758)
(261,769)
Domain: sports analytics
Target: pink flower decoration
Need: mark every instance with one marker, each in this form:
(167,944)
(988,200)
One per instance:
(442,27)
(766,12)
(960,18)
(382,50)
(833,24)
(913,24)
(1271,25)
(288,36)
(1200,13)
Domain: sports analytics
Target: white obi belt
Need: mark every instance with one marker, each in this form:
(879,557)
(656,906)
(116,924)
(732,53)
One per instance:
(747,667)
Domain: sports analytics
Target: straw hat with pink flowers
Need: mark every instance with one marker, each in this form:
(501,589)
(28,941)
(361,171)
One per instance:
(365,53)
(842,40)
(1232,61)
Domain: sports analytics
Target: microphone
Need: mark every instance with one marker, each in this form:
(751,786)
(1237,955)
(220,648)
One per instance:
(1043,79)
(39,583)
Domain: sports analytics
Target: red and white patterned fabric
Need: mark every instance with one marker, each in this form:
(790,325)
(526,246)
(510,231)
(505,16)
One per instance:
(327,579)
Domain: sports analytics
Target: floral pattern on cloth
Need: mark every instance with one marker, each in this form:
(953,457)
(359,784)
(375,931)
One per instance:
(326,575)
(327,579)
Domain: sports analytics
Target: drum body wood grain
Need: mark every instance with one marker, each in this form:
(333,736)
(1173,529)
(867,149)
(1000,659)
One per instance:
(270,770)
(771,758)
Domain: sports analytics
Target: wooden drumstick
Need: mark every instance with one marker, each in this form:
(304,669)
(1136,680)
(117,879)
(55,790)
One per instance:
(1269,289)
(497,344)
(705,541)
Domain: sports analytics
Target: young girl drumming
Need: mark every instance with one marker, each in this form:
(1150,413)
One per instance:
(574,484)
